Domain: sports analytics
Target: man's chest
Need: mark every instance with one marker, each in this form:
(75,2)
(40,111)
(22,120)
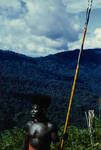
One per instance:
(38,130)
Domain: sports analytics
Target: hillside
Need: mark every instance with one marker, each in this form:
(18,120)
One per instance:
(77,139)
(52,75)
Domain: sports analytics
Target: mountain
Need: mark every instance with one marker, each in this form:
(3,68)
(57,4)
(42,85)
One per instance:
(51,75)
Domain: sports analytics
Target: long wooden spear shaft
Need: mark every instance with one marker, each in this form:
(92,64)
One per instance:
(75,77)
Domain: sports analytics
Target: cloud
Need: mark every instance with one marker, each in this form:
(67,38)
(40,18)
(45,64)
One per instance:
(50,18)
(40,27)
(36,27)
(93,41)
(12,8)
(79,6)
(9,4)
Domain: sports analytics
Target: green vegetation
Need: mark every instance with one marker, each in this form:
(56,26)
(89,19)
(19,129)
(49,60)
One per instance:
(78,139)
(11,139)
(53,76)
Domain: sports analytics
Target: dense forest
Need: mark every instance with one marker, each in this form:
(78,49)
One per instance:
(78,139)
(22,76)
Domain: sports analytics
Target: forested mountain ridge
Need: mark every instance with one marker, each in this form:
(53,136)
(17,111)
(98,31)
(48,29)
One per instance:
(51,75)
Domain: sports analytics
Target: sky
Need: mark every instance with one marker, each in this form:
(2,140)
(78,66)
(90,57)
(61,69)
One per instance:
(43,27)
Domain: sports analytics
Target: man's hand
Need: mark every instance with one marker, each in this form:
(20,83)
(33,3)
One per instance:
(65,136)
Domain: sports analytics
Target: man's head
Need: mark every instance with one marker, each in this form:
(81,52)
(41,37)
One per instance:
(40,104)
(41,100)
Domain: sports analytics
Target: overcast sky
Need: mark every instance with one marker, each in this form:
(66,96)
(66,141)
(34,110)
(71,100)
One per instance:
(42,27)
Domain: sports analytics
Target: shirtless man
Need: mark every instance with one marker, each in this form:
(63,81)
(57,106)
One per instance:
(39,132)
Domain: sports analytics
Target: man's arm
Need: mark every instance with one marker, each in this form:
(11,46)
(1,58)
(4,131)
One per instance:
(26,138)
(54,134)
(26,142)
(55,139)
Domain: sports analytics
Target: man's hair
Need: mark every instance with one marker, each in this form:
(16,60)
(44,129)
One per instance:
(41,100)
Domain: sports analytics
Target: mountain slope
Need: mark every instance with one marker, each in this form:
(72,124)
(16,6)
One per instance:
(52,75)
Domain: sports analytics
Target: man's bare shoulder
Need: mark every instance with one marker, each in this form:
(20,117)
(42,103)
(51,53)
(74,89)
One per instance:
(51,126)
(28,125)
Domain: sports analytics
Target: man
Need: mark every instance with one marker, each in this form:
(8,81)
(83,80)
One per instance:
(40,132)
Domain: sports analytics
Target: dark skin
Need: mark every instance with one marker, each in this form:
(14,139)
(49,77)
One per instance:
(26,142)
(39,132)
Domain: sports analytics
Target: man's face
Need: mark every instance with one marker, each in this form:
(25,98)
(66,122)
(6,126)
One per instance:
(38,111)
(35,110)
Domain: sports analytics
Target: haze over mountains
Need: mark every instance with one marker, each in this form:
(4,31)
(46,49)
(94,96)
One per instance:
(52,75)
